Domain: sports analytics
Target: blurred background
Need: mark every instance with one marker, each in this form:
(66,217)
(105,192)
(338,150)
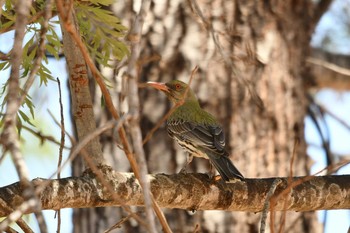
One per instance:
(281,51)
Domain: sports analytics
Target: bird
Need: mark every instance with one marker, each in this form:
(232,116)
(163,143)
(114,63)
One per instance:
(195,130)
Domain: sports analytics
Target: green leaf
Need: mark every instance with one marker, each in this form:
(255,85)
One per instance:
(102,31)
(102,2)
(52,51)
(8,5)
(24,117)
(7,24)
(32,54)
(4,65)
(28,102)
(45,75)
(53,38)
(19,124)
(27,46)
(103,101)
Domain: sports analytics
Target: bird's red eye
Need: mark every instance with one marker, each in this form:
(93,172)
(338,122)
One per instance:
(177,86)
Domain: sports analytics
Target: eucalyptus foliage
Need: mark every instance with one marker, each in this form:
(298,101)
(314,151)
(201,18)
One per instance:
(100,29)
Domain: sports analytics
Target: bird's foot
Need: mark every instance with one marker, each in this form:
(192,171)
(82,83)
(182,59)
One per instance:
(216,178)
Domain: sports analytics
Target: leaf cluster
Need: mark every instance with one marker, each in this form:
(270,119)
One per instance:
(101,30)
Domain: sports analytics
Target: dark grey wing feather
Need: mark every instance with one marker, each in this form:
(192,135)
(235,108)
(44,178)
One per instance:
(210,137)
(210,140)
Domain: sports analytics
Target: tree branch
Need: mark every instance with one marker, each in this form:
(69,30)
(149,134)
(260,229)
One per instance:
(9,137)
(329,70)
(186,191)
(132,75)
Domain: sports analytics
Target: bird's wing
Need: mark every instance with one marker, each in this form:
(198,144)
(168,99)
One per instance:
(211,141)
(203,136)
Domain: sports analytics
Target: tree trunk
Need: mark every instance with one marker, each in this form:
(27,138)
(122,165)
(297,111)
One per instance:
(265,44)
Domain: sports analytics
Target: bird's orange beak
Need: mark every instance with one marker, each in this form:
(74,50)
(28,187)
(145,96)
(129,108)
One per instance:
(159,86)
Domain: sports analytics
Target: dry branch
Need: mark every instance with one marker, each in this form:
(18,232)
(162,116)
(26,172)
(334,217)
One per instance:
(185,191)
(135,128)
(329,70)
(9,138)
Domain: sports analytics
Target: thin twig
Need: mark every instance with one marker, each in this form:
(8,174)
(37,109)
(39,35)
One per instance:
(334,116)
(118,224)
(41,51)
(42,137)
(71,138)
(20,222)
(62,129)
(266,208)
(78,147)
(10,230)
(9,136)
(134,106)
(60,149)
(315,112)
(299,181)
(290,177)
(32,19)
(17,214)
(328,65)
(100,176)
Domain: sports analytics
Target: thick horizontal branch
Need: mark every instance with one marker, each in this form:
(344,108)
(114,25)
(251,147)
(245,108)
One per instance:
(185,191)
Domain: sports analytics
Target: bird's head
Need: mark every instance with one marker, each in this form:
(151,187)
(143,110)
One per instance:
(175,90)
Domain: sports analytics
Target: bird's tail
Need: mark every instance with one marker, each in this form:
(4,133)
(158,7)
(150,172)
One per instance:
(225,167)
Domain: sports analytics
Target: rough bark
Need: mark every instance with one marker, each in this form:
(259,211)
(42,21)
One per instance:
(185,191)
